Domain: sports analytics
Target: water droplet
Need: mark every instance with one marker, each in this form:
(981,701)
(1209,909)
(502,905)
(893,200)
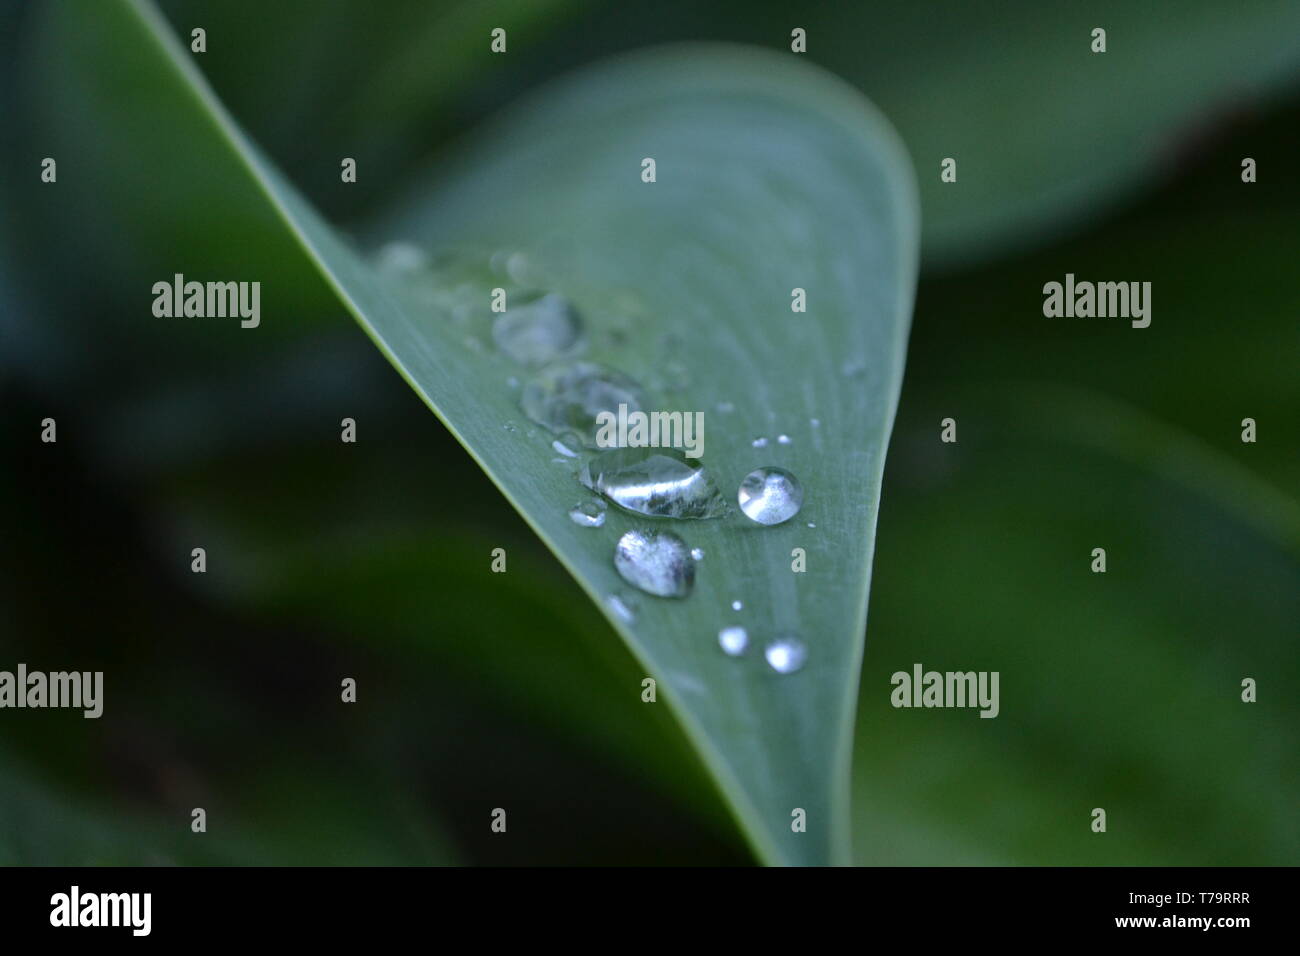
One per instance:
(770,495)
(510,427)
(812,524)
(401,258)
(759,443)
(623,605)
(538,330)
(564,449)
(676,377)
(697,554)
(568,396)
(657,562)
(733,640)
(521,269)
(658,483)
(853,368)
(736,605)
(589,514)
(786,655)
(783,439)
(512,382)
(815,422)
(725,408)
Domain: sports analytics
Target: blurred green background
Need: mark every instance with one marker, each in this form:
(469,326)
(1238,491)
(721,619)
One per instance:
(1118,691)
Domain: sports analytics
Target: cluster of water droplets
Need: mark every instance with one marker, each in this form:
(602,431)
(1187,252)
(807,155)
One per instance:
(544,335)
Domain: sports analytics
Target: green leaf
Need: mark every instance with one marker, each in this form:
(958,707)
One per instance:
(771,176)
(1011,90)
(1149,656)
(375,88)
(1015,94)
(1120,690)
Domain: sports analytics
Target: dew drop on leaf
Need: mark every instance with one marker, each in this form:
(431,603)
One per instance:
(786,655)
(658,483)
(657,562)
(733,640)
(770,495)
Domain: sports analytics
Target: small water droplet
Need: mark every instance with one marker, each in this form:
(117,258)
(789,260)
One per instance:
(658,483)
(770,495)
(623,605)
(538,329)
(697,554)
(759,443)
(786,655)
(725,408)
(812,524)
(736,605)
(510,427)
(521,269)
(783,439)
(512,382)
(815,422)
(401,258)
(564,449)
(657,562)
(567,397)
(853,368)
(589,514)
(676,377)
(733,640)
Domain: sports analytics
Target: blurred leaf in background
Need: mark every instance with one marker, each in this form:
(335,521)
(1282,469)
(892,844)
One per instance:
(1048,135)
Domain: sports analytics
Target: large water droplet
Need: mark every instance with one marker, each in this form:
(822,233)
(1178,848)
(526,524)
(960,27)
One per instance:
(657,562)
(537,330)
(737,606)
(770,495)
(589,514)
(658,483)
(786,655)
(733,640)
(568,396)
